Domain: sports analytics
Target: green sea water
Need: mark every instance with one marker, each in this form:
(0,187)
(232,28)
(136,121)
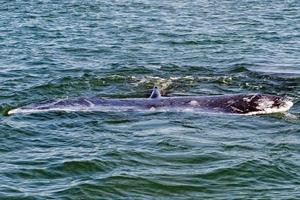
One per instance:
(119,49)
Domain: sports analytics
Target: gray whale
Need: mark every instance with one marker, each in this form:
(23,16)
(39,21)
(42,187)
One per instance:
(238,104)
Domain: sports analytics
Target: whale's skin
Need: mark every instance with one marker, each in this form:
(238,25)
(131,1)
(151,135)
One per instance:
(237,103)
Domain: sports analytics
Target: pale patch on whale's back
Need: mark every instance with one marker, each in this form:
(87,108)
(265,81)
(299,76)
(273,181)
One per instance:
(267,108)
(194,103)
(264,103)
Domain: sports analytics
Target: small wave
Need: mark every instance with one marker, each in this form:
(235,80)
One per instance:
(78,167)
(188,42)
(238,68)
(256,174)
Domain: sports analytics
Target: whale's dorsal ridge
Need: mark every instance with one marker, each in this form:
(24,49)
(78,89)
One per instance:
(155,93)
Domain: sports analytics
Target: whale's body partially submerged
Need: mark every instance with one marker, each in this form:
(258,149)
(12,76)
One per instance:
(238,103)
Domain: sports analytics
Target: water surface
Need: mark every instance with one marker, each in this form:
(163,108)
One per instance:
(119,49)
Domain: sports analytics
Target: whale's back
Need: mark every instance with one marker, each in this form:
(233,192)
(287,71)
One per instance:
(239,104)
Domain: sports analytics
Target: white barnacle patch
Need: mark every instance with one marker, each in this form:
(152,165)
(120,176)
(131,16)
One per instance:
(236,109)
(286,105)
(231,102)
(194,103)
(246,99)
(264,103)
(249,99)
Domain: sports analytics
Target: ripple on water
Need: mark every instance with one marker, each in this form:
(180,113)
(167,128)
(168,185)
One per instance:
(53,50)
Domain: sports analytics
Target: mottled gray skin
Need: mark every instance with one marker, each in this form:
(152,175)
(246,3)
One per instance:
(227,103)
(239,103)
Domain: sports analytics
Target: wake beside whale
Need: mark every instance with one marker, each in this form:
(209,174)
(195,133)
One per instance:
(237,104)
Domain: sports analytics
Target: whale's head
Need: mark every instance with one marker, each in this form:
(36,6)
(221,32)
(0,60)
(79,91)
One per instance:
(264,104)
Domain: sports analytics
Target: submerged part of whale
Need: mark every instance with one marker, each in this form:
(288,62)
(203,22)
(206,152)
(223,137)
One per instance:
(238,103)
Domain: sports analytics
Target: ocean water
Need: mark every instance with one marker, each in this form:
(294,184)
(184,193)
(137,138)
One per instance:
(119,49)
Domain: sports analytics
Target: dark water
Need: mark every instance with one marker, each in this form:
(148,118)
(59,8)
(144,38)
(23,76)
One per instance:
(59,49)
